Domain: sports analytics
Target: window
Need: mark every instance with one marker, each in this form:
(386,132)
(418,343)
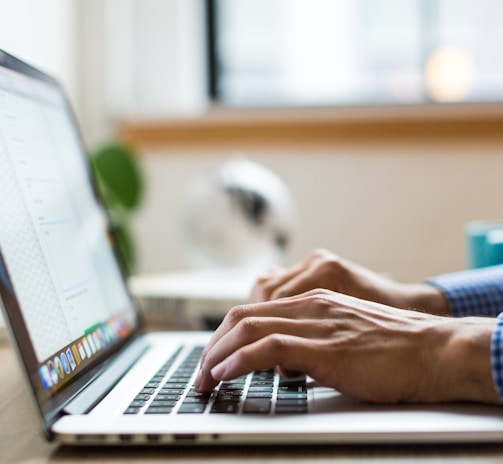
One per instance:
(355,52)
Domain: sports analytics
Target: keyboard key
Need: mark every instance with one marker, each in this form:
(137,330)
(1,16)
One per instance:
(227,408)
(291,409)
(288,402)
(192,393)
(162,397)
(292,396)
(229,394)
(175,385)
(292,388)
(152,384)
(191,408)
(132,410)
(159,410)
(178,379)
(137,403)
(147,391)
(163,404)
(300,380)
(237,380)
(195,400)
(257,406)
(260,394)
(231,388)
(171,391)
(260,388)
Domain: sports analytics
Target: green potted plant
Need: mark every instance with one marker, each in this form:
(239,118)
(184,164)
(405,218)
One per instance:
(121,185)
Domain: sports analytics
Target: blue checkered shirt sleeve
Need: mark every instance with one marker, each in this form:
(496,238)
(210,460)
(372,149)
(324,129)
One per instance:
(497,356)
(475,292)
(478,292)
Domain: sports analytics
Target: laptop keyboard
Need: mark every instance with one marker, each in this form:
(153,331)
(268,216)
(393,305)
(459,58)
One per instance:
(262,392)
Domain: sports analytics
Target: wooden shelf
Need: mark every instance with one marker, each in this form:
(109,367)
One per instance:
(319,126)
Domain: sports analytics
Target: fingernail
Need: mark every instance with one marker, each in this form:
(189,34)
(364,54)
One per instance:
(218,371)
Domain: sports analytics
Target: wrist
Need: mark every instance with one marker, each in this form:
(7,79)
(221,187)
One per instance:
(461,365)
(427,298)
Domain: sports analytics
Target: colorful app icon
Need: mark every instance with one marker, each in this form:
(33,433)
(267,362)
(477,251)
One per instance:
(109,333)
(122,327)
(65,362)
(87,347)
(45,376)
(82,350)
(90,340)
(113,328)
(76,354)
(102,337)
(71,359)
(96,341)
(59,367)
(52,372)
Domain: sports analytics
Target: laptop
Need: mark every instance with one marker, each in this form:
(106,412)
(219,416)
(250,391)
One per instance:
(94,376)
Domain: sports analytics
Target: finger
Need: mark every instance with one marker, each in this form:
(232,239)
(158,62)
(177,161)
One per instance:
(298,284)
(277,277)
(302,277)
(287,373)
(238,313)
(292,353)
(295,307)
(249,331)
(266,285)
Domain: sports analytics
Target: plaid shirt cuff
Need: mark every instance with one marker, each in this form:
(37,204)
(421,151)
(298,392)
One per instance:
(475,292)
(497,356)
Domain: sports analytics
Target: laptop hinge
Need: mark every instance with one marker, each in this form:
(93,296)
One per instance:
(107,379)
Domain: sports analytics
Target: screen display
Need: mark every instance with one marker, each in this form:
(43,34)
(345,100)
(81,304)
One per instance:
(55,250)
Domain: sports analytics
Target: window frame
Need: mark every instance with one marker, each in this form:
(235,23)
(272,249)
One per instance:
(211,16)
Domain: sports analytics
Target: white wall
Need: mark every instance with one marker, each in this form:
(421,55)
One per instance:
(139,59)
(44,33)
(398,208)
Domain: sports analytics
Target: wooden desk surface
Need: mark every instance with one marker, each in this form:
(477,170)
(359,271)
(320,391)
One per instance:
(22,442)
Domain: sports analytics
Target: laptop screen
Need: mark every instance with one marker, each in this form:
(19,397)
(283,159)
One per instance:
(60,282)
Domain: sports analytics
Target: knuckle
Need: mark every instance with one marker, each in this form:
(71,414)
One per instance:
(318,252)
(236,314)
(318,293)
(241,357)
(320,299)
(249,325)
(262,280)
(276,342)
(330,266)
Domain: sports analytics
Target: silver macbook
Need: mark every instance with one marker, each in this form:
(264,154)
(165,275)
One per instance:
(94,377)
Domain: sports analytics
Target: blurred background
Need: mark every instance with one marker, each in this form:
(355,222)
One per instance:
(384,118)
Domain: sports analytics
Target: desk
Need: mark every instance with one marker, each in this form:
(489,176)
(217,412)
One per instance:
(22,442)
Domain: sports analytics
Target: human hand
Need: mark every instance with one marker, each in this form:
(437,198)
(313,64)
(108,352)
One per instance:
(366,350)
(323,269)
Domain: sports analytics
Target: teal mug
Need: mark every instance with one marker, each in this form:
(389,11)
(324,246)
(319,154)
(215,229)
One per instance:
(484,243)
